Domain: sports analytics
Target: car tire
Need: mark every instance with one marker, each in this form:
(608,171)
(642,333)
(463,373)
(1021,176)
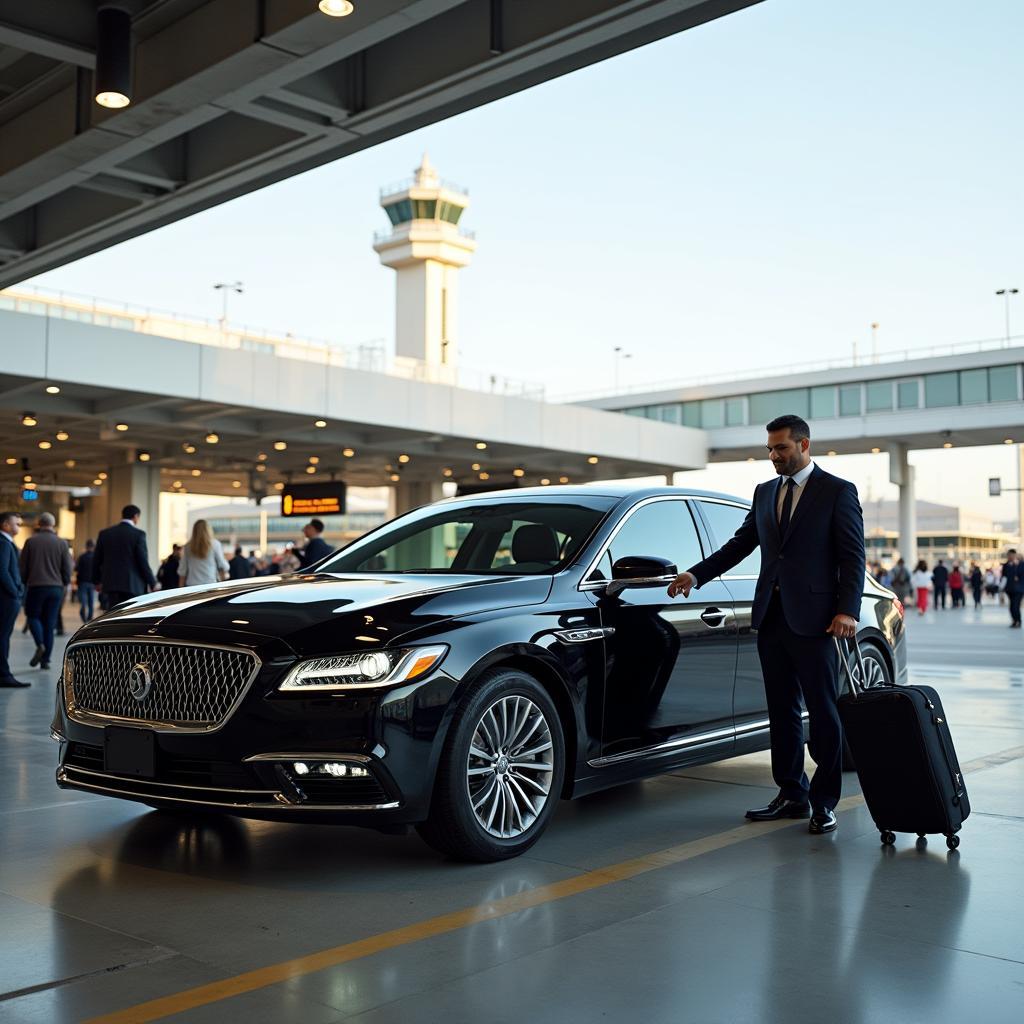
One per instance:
(487,806)
(877,672)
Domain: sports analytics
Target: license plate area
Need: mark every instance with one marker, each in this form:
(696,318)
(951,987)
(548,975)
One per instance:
(129,751)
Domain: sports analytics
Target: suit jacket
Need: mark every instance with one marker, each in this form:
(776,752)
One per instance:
(11,588)
(121,564)
(818,565)
(314,550)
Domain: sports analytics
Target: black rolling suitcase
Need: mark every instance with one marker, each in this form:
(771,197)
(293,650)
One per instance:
(904,756)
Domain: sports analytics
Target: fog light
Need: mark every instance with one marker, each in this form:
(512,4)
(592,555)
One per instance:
(300,768)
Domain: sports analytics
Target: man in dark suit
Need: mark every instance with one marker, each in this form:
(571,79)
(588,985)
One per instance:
(121,566)
(940,580)
(11,591)
(239,567)
(1013,573)
(316,547)
(810,529)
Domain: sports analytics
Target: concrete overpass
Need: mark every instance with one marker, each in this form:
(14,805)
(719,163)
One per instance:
(124,414)
(230,95)
(952,396)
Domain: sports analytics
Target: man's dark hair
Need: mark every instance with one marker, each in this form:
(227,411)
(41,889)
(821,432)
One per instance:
(1012,551)
(317,525)
(6,517)
(89,545)
(130,512)
(797,426)
(238,552)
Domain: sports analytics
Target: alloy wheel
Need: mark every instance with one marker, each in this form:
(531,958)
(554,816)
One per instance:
(510,766)
(874,674)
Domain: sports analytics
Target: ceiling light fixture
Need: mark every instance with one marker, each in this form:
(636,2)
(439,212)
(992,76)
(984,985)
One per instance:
(280,446)
(97,483)
(113,75)
(403,459)
(593,460)
(320,423)
(62,435)
(144,456)
(197,472)
(348,452)
(102,476)
(46,445)
(875,451)
(545,481)
(519,471)
(311,470)
(177,483)
(27,478)
(475,466)
(481,446)
(447,471)
(262,457)
(261,468)
(212,438)
(948,444)
(1008,440)
(236,483)
(11,461)
(52,389)
(121,426)
(279,486)
(70,463)
(336,8)
(485,476)
(28,419)
(563,479)
(189,448)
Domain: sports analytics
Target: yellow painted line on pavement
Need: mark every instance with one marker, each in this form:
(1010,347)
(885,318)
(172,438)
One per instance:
(273,974)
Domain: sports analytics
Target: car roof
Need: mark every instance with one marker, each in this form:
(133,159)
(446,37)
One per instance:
(617,490)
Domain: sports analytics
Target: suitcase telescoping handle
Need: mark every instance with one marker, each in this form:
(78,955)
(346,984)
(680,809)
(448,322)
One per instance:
(855,687)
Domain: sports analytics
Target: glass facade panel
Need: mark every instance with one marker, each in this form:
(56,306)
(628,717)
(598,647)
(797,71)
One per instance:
(735,414)
(691,414)
(909,394)
(424,209)
(767,406)
(941,389)
(849,400)
(879,395)
(973,387)
(712,413)
(823,403)
(400,212)
(1002,384)
(670,413)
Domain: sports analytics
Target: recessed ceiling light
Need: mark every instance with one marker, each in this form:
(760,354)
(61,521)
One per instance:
(52,389)
(70,463)
(11,461)
(948,444)
(348,452)
(447,471)
(750,459)
(112,100)
(875,451)
(314,460)
(262,457)
(28,419)
(593,460)
(62,435)
(475,466)
(45,445)
(97,483)
(236,483)
(831,453)
(481,445)
(177,483)
(27,478)
(485,476)
(121,426)
(279,486)
(280,446)
(261,468)
(197,472)
(1008,440)
(102,476)
(563,479)
(311,470)
(394,478)
(519,471)
(545,481)
(320,423)
(337,8)
(212,438)
(189,448)
(144,456)
(403,459)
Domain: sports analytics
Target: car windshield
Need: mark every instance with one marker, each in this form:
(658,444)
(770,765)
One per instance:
(524,537)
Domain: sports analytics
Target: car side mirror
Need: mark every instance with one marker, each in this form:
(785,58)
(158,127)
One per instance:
(640,571)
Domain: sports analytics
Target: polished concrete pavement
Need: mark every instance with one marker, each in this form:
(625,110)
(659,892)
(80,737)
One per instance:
(106,906)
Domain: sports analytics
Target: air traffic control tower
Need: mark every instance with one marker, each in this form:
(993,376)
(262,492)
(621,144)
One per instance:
(427,250)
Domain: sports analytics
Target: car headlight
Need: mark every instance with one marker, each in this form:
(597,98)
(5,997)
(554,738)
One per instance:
(363,669)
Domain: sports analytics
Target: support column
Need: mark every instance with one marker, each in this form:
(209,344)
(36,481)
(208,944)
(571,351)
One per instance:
(410,494)
(137,483)
(901,473)
(427,550)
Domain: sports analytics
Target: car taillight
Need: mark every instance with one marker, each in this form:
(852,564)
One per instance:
(899,606)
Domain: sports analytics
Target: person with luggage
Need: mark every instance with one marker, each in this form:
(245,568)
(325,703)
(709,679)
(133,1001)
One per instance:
(1013,577)
(940,580)
(921,581)
(810,529)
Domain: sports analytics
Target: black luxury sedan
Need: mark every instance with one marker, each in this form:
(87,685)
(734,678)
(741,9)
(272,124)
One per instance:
(459,668)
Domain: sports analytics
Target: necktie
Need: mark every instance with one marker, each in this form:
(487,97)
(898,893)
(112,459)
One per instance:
(787,506)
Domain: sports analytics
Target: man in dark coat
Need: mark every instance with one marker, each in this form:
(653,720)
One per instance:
(1013,573)
(316,547)
(11,593)
(239,567)
(121,568)
(167,574)
(810,529)
(940,581)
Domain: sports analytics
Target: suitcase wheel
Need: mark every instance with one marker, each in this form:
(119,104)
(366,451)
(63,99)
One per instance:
(922,835)
(888,838)
(952,842)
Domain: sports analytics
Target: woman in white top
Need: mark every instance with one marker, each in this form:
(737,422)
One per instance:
(921,581)
(202,559)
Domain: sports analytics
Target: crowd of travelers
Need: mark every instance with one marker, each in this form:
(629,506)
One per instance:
(41,576)
(921,586)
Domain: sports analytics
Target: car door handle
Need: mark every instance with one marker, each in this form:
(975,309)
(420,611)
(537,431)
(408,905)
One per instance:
(714,616)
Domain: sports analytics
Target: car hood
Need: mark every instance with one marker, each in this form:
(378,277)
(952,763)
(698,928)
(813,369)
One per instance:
(319,612)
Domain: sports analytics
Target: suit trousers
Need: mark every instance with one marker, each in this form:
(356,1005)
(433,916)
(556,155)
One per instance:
(9,608)
(42,606)
(795,666)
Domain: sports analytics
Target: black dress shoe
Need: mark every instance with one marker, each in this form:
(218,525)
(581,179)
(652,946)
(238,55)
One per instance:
(13,683)
(44,665)
(781,807)
(822,821)
(38,656)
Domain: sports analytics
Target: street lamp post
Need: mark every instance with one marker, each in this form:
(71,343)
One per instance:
(1006,293)
(617,356)
(225,288)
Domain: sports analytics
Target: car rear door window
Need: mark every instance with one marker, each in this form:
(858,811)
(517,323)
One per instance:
(724,521)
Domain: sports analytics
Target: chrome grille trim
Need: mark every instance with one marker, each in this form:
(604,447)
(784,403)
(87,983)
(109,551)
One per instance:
(196,687)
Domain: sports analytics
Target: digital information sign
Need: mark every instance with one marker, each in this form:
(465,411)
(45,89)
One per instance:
(320,499)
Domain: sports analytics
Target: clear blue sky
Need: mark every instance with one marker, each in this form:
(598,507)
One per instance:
(756,190)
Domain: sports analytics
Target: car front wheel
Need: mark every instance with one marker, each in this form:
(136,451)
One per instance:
(501,770)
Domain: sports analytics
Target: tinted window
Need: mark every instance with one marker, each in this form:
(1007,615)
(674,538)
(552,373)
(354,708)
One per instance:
(724,521)
(664,529)
(1002,384)
(519,537)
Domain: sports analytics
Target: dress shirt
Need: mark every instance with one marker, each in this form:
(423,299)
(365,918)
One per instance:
(799,479)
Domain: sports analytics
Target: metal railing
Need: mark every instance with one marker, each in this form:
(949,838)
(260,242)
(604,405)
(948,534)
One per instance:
(754,376)
(413,182)
(370,357)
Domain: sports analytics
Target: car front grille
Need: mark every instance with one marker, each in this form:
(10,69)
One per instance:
(185,686)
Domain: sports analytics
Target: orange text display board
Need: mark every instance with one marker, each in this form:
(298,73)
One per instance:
(327,499)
